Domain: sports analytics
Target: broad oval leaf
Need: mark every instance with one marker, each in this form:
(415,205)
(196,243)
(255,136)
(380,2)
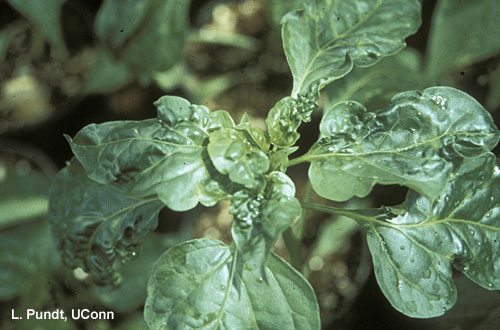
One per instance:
(417,142)
(165,155)
(98,225)
(261,219)
(324,39)
(414,245)
(203,284)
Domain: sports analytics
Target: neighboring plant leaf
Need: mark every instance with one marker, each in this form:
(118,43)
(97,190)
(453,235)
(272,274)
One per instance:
(376,85)
(417,142)
(260,219)
(46,16)
(98,225)
(27,256)
(21,202)
(147,34)
(199,284)
(279,8)
(462,33)
(326,38)
(165,155)
(415,244)
(106,75)
(232,154)
(493,98)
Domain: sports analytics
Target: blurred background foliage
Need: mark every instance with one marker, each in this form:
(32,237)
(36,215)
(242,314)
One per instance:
(67,63)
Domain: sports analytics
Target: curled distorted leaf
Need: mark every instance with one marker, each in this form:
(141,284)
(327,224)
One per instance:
(285,117)
(232,154)
(260,219)
(417,142)
(324,39)
(198,284)
(97,225)
(257,135)
(165,155)
(414,245)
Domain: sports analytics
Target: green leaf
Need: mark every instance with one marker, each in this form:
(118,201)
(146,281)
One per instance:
(257,136)
(148,34)
(414,245)
(27,256)
(260,219)
(131,294)
(232,154)
(199,284)
(376,85)
(462,33)
(45,15)
(279,8)
(98,225)
(417,141)
(21,202)
(325,39)
(165,155)
(285,117)
(106,75)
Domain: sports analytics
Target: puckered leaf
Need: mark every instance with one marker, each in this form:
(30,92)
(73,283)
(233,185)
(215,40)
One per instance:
(147,34)
(463,33)
(98,225)
(417,142)
(285,117)
(326,38)
(165,155)
(261,218)
(414,245)
(257,135)
(198,284)
(232,154)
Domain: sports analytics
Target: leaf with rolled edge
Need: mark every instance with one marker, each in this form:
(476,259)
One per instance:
(260,219)
(202,284)
(97,225)
(415,244)
(326,38)
(416,142)
(165,155)
(232,154)
(256,134)
(376,85)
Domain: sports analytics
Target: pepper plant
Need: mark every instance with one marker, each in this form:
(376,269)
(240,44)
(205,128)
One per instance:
(436,141)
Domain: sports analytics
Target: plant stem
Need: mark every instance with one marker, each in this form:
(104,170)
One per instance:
(362,216)
(298,160)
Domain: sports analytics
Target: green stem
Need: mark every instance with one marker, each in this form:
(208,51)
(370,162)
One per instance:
(362,216)
(298,160)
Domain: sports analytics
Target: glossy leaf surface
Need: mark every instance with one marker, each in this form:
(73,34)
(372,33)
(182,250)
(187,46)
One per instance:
(199,284)
(261,219)
(414,245)
(98,225)
(463,33)
(165,155)
(326,38)
(417,142)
